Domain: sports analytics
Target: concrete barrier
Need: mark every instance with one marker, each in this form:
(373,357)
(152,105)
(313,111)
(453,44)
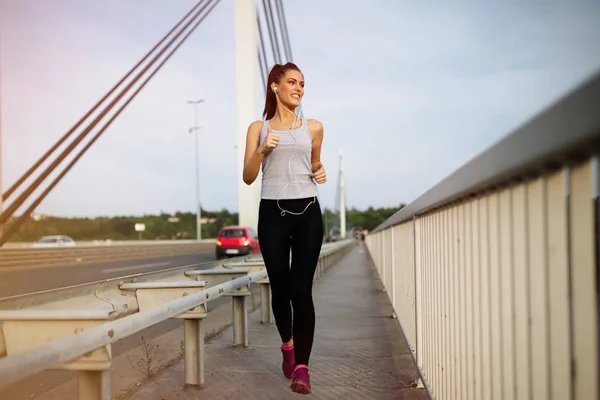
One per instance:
(27,257)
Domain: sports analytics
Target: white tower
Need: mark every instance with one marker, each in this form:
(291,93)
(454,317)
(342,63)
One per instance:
(247,108)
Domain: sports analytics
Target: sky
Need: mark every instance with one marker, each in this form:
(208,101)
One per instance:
(410,91)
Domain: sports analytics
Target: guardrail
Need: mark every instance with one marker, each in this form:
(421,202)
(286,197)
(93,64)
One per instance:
(23,257)
(18,245)
(493,272)
(73,328)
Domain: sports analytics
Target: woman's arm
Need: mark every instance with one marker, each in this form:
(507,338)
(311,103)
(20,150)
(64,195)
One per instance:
(316,130)
(253,155)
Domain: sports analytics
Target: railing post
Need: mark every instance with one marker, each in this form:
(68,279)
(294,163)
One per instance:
(152,294)
(34,328)
(265,303)
(93,385)
(380,257)
(384,258)
(240,321)
(193,335)
(416,282)
(318,271)
(393,266)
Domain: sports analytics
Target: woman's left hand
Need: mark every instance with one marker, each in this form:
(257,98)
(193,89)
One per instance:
(319,173)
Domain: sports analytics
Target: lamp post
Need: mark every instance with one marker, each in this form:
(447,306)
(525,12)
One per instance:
(342,198)
(194,129)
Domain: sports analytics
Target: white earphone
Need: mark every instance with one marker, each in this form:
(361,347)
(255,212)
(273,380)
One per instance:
(290,175)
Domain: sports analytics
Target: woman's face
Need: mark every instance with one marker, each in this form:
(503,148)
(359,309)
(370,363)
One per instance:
(291,88)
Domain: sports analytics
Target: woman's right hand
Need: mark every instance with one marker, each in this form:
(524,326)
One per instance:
(270,142)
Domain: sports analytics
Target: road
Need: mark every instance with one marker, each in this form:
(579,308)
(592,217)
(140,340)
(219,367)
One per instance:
(15,281)
(19,281)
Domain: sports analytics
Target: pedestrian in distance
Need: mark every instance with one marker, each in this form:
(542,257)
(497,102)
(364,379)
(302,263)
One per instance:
(288,148)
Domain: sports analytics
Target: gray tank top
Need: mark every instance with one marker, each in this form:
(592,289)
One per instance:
(277,167)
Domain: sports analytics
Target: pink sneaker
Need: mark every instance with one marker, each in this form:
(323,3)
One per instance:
(301,381)
(289,362)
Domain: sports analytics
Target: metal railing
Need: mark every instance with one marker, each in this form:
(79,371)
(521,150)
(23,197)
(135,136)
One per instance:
(108,242)
(73,328)
(29,257)
(493,273)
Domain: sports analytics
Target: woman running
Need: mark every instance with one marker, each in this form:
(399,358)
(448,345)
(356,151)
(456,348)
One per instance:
(289,150)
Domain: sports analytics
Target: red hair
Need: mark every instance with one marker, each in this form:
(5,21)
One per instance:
(277,73)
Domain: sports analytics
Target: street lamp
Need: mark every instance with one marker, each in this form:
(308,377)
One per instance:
(195,130)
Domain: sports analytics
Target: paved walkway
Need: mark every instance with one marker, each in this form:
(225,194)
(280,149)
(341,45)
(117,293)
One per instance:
(359,351)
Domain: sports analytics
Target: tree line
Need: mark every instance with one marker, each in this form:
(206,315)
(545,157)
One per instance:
(367,219)
(164,226)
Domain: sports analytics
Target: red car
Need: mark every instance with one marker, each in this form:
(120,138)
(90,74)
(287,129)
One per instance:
(235,241)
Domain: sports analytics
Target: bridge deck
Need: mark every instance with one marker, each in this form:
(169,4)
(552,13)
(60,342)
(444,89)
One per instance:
(359,351)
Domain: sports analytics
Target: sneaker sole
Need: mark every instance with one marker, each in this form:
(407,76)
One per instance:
(300,387)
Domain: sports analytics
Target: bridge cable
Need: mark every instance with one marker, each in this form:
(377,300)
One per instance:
(283,25)
(261,52)
(285,36)
(23,197)
(276,32)
(272,31)
(27,174)
(14,226)
(262,68)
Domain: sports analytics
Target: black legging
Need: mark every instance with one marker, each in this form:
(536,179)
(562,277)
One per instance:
(292,287)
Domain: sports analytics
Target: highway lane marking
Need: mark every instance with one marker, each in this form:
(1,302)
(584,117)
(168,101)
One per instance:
(136,267)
